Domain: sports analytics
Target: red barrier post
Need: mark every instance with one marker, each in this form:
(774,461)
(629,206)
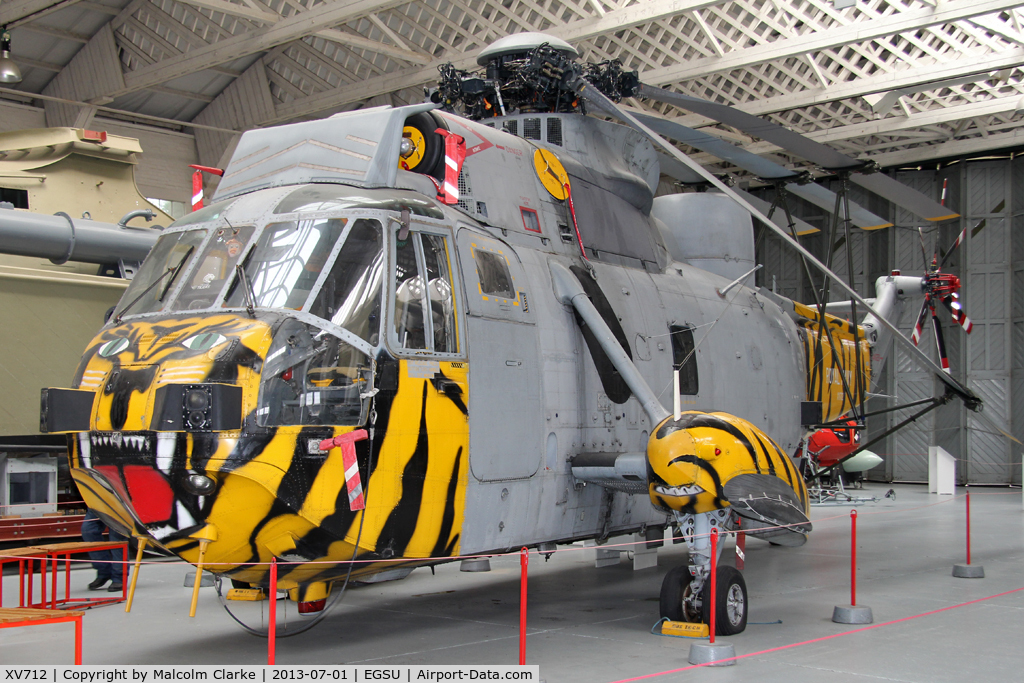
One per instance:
(968,527)
(78,641)
(853,557)
(524,563)
(714,584)
(272,626)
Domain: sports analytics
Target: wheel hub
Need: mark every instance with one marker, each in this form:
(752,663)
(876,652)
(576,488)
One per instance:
(735,605)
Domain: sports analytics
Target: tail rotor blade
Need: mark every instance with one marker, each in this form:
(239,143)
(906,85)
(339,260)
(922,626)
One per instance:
(924,252)
(956,310)
(940,342)
(915,336)
(959,239)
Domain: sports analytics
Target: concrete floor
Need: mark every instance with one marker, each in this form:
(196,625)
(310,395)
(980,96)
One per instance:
(588,624)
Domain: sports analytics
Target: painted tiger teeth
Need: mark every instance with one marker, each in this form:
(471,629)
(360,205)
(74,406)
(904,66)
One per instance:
(679,490)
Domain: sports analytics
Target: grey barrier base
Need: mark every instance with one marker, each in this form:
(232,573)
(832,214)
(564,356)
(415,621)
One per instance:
(703,653)
(968,571)
(852,614)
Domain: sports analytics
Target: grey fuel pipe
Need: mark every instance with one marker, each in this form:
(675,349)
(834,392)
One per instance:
(61,238)
(570,292)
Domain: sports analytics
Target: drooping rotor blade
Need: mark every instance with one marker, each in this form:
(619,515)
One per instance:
(809,149)
(901,195)
(915,336)
(940,341)
(956,310)
(761,167)
(674,169)
(779,217)
(826,199)
(599,100)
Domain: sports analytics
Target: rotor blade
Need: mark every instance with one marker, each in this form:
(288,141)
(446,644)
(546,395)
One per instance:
(902,195)
(779,217)
(762,168)
(956,310)
(759,166)
(956,243)
(924,252)
(595,97)
(940,341)
(915,336)
(813,151)
(826,199)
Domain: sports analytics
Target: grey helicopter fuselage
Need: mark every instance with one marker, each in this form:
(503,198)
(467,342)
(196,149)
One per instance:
(496,417)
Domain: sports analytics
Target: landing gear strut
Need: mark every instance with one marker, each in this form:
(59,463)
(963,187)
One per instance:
(686,589)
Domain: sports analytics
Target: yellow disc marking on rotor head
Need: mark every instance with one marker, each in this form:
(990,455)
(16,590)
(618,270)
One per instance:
(551,173)
(419,147)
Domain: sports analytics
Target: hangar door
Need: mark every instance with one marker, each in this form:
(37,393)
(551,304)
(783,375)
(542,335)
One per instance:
(505,413)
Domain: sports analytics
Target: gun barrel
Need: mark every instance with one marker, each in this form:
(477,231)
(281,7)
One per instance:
(61,239)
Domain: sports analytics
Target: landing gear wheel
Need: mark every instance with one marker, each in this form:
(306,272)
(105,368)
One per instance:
(428,157)
(730,602)
(235,583)
(674,589)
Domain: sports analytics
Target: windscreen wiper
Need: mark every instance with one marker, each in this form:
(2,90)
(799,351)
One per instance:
(250,295)
(173,271)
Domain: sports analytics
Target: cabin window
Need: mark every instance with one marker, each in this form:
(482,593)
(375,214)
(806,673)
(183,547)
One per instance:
(286,261)
(212,269)
(350,295)
(530,219)
(495,280)
(424,310)
(684,359)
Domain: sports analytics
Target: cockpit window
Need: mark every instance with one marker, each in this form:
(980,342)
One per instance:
(213,268)
(286,262)
(350,295)
(160,272)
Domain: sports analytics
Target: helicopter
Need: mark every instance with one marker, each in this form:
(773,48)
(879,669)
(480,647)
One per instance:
(399,336)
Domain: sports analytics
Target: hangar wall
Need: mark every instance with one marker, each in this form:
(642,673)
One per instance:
(989,195)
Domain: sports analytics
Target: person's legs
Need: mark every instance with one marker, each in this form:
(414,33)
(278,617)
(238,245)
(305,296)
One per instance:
(92,531)
(118,570)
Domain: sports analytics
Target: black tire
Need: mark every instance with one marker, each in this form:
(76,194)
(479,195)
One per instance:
(432,162)
(673,587)
(730,602)
(235,583)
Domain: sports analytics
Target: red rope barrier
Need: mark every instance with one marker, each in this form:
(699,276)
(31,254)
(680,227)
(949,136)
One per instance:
(524,563)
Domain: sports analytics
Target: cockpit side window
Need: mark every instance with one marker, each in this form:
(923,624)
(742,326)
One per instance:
(350,295)
(424,314)
(439,294)
(410,319)
(684,359)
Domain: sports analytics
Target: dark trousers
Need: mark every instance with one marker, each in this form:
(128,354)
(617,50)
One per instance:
(106,562)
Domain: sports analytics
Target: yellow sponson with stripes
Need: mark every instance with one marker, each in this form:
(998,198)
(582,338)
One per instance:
(262,488)
(690,460)
(827,367)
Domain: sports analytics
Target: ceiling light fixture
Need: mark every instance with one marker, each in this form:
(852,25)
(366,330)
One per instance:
(9,71)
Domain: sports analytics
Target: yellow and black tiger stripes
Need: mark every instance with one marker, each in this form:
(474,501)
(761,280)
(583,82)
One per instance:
(276,495)
(826,367)
(690,460)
